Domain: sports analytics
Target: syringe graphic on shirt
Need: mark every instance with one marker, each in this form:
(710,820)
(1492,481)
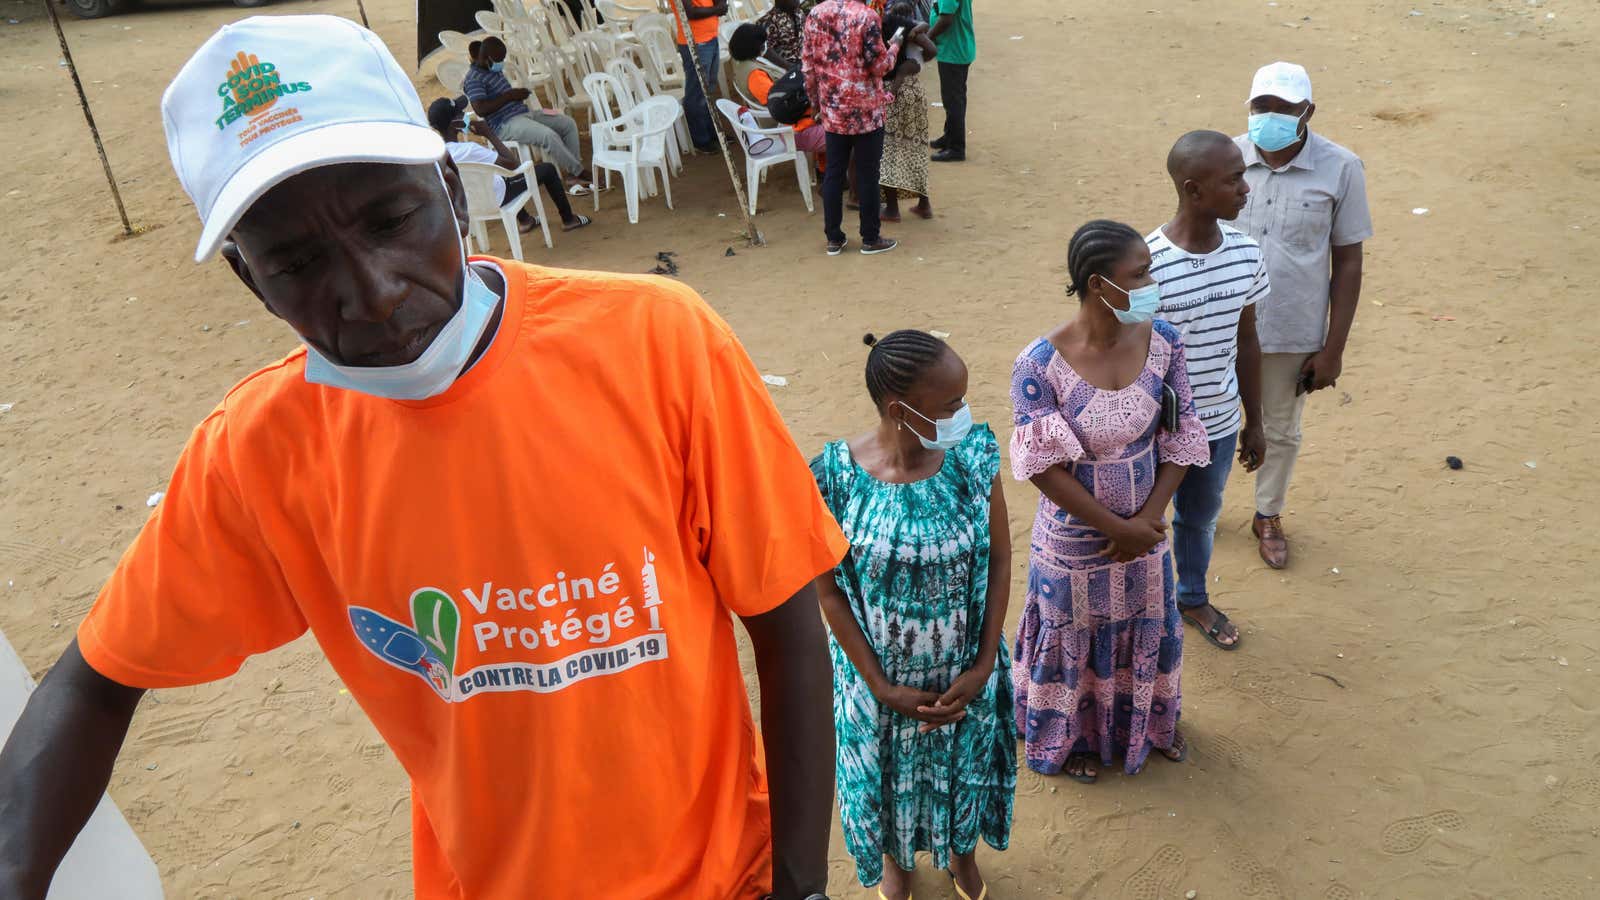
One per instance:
(652,590)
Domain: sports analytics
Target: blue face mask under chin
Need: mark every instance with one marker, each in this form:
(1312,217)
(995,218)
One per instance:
(497,66)
(436,369)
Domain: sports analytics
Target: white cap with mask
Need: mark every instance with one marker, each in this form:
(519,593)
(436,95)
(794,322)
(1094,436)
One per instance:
(270,97)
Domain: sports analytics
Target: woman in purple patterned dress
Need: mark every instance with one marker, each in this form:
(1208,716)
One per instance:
(1100,646)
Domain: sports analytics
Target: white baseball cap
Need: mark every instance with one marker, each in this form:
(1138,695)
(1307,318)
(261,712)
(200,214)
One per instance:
(1281,79)
(269,97)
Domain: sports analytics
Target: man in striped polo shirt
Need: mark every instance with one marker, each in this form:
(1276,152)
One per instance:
(1211,277)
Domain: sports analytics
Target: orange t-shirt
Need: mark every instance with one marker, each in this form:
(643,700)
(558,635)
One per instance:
(705,30)
(525,582)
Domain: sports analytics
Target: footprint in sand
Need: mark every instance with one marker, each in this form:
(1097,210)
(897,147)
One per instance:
(1227,749)
(1259,880)
(372,751)
(1408,835)
(1029,782)
(1584,791)
(1339,892)
(1564,888)
(1558,822)
(1260,687)
(1199,676)
(1563,734)
(1157,878)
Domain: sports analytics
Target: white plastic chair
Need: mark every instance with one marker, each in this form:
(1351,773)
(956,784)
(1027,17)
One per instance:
(755,165)
(724,57)
(635,146)
(451,73)
(649,19)
(606,93)
(619,18)
(662,62)
(491,22)
(567,86)
(478,179)
(637,85)
(595,49)
(456,42)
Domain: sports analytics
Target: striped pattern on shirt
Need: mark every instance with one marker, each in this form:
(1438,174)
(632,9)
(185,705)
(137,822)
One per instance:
(1203,297)
(482,84)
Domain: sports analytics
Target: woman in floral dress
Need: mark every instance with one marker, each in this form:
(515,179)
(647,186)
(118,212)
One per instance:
(904,173)
(922,690)
(1100,644)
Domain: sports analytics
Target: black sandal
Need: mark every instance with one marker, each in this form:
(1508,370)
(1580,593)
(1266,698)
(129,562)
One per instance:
(1215,629)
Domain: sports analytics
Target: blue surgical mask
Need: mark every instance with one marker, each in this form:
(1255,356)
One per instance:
(1274,131)
(1142,303)
(497,66)
(431,373)
(949,432)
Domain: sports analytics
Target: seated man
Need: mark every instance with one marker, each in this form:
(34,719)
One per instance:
(495,99)
(446,117)
(754,75)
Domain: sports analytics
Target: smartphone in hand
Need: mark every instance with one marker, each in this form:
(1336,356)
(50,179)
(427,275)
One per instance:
(898,34)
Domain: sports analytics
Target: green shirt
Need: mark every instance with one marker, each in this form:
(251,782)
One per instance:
(958,44)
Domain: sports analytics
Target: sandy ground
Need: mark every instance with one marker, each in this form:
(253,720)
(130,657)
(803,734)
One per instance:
(1414,713)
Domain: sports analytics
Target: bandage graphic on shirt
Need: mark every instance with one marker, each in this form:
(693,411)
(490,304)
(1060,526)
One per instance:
(428,651)
(597,624)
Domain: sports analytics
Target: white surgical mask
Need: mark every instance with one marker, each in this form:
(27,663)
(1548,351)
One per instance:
(949,432)
(431,373)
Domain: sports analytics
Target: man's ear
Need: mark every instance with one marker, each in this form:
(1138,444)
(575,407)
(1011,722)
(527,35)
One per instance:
(230,252)
(1311,110)
(1191,189)
(458,193)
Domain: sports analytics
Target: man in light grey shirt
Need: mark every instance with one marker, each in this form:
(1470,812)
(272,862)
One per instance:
(1308,210)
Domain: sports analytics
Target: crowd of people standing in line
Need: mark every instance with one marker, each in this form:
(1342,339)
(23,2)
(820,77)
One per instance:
(1134,406)
(1187,346)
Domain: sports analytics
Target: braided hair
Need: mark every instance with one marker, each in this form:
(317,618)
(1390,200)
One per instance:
(1095,248)
(897,360)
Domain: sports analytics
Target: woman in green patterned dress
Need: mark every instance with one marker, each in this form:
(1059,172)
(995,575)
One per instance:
(922,686)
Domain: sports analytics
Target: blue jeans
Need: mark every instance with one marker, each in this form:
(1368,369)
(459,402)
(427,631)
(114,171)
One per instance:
(1195,508)
(696,109)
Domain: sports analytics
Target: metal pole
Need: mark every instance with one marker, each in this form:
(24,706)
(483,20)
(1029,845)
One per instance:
(751,232)
(83,101)
(361,8)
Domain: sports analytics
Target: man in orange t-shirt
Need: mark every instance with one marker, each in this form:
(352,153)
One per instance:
(516,506)
(704,18)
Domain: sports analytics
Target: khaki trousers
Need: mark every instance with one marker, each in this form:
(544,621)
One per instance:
(1280,419)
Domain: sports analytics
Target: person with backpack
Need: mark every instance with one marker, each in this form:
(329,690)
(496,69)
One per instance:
(755,77)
